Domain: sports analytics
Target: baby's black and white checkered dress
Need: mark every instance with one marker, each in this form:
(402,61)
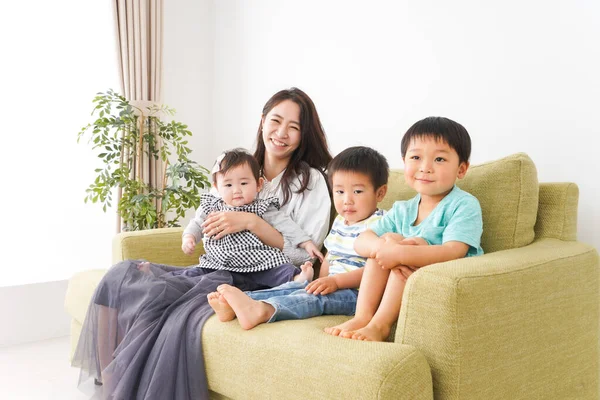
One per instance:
(242,251)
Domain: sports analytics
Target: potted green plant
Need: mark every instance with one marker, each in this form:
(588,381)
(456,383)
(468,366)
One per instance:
(126,137)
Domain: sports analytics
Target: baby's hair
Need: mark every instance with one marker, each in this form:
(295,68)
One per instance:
(443,129)
(364,160)
(234,158)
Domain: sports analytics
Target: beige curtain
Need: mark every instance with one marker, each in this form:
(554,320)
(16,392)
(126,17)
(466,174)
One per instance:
(139,32)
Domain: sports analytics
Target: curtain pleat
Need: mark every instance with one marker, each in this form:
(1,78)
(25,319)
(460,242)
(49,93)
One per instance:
(139,26)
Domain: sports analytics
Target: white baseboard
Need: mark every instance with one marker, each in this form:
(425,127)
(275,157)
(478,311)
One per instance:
(33,312)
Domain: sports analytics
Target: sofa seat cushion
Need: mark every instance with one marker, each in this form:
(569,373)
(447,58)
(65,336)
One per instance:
(297,360)
(507,190)
(79,292)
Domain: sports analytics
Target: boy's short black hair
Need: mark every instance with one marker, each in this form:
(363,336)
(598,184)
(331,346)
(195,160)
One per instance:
(364,160)
(440,128)
(234,158)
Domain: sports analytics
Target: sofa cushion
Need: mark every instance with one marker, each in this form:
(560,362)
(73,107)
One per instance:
(507,190)
(297,360)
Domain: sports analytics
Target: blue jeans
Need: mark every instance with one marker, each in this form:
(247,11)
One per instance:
(291,301)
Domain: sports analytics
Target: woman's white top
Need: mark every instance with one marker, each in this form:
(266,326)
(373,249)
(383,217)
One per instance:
(309,209)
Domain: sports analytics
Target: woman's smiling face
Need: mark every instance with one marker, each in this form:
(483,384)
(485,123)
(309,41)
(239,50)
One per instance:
(281,130)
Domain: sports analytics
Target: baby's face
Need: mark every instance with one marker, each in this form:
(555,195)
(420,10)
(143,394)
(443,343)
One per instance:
(237,186)
(354,196)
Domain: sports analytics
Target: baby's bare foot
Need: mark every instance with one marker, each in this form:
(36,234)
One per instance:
(144,267)
(307,274)
(369,333)
(350,325)
(249,312)
(222,308)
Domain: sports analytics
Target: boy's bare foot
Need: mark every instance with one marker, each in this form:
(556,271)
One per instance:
(249,312)
(307,273)
(348,326)
(222,308)
(369,333)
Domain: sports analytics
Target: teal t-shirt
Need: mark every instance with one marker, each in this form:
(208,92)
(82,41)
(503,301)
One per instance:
(456,218)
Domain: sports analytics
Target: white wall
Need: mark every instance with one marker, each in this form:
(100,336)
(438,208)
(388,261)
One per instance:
(188,70)
(55,57)
(520,76)
(33,312)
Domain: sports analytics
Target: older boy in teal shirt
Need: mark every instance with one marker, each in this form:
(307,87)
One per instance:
(441,223)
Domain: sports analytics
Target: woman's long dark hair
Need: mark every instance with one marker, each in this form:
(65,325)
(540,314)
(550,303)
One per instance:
(313,150)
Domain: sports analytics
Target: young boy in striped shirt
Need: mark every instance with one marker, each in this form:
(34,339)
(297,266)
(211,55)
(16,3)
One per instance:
(358,176)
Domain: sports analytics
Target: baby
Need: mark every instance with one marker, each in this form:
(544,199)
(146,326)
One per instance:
(236,177)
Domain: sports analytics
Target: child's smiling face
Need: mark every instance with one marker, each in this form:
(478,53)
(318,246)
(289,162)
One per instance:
(432,167)
(354,196)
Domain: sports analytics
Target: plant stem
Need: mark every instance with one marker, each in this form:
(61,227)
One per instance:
(161,214)
(138,172)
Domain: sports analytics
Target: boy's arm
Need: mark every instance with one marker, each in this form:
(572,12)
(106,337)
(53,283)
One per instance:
(349,280)
(392,254)
(367,244)
(324,271)
(329,284)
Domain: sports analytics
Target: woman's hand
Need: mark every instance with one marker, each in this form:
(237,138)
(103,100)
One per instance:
(312,250)
(322,286)
(219,224)
(188,244)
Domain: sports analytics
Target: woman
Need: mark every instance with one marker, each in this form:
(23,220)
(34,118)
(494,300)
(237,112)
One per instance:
(141,333)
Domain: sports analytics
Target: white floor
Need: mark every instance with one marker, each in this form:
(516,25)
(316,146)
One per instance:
(41,370)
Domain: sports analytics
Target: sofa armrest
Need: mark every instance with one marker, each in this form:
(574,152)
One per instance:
(519,323)
(160,246)
(297,360)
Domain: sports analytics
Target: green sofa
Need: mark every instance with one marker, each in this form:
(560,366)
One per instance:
(522,321)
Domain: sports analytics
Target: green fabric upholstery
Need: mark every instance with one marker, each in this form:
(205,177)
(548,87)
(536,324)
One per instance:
(521,321)
(282,363)
(557,212)
(158,246)
(513,319)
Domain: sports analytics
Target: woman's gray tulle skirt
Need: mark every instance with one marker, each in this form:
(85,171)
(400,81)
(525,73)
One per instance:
(142,333)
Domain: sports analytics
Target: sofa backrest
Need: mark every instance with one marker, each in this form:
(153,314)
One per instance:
(557,212)
(508,192)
